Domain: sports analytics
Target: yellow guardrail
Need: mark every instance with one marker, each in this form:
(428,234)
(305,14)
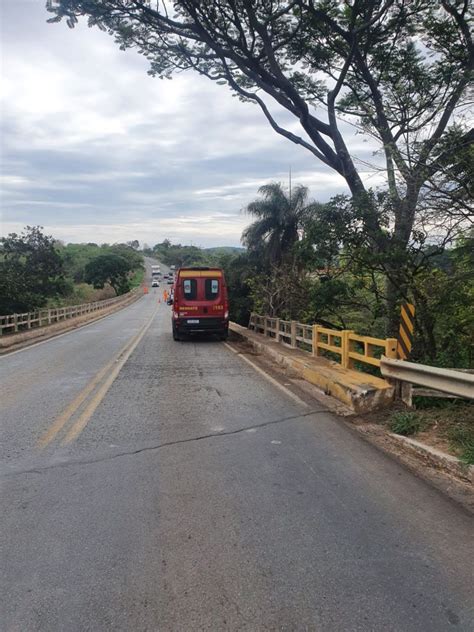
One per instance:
(348,347)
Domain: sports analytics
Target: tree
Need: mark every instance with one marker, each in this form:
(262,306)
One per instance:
(280,218)
(109,268)
(397,70)
(134,258)
(31,271)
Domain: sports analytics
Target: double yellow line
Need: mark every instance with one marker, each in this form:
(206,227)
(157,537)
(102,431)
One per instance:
(98,388)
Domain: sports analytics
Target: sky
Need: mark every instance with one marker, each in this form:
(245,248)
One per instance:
(94,149)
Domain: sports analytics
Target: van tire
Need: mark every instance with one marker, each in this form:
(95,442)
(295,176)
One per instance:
(176,337)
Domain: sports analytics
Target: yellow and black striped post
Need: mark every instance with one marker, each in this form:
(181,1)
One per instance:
(405,334)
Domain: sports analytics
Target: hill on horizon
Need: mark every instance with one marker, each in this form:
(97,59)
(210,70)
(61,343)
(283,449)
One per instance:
(224,250)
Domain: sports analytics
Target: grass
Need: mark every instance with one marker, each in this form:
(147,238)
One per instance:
(461,437)
(406,423)
(137,278)
(448,421)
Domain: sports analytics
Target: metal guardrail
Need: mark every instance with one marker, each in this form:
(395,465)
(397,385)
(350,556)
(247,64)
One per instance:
(457,383)
(13,323)
(347,347)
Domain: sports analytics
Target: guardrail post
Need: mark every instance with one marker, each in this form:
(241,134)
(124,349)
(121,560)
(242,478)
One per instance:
(251,324)
(346,347)
(403,390)
(315,350)
(265,325)
(391,348)
(49,316)
(293,333)
(406,393)
(277,329)
(28,321)
(15,322)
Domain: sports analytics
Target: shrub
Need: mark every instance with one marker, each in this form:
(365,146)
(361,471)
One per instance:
(406,423)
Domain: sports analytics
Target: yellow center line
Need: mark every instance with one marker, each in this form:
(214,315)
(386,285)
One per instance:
(73,407)
(86,415)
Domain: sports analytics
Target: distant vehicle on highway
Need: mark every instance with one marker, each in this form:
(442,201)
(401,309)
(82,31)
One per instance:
(170,281)
(200,302)
(155,283)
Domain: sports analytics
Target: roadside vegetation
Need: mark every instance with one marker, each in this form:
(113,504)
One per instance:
(38,271)
(304,260)
(445,424)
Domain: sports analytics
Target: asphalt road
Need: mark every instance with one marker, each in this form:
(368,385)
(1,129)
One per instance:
(179,489)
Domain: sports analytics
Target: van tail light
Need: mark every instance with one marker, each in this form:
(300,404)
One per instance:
(175,314)
(226,313)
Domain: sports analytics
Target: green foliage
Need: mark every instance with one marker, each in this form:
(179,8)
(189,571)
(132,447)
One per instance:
(178,255)
(137,278)
(75,258)
(109,268)
(444,297)
(462,440)
(31,271)
(406,423)
(239,269)
(36,271)
(280,216)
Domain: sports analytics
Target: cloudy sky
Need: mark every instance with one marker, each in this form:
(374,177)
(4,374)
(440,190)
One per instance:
(93,149)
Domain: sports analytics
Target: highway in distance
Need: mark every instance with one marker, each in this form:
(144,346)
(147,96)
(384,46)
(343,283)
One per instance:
(153,485)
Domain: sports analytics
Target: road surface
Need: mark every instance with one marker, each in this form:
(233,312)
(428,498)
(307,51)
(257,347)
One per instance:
(152,485)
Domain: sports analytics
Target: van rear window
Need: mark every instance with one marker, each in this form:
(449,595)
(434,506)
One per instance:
(190,289)
(211,289)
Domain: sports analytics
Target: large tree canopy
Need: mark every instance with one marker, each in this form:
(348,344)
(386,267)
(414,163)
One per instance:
(109,268)
(31,271)
(400,67)
(397,70)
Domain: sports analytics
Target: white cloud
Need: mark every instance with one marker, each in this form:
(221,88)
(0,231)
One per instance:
(97,150)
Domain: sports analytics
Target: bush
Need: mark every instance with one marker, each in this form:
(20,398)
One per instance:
(406,423)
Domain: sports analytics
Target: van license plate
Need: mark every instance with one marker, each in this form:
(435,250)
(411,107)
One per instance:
(193,322)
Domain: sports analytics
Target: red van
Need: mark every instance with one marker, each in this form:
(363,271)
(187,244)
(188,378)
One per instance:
(200,302)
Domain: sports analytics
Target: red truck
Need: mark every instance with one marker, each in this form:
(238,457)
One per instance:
(200,303)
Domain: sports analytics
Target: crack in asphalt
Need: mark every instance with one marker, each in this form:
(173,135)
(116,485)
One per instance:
(159,446)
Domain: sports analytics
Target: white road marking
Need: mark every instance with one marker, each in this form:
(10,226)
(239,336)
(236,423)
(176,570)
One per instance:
(270,378)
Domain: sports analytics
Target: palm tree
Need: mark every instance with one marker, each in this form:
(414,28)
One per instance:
(280,217)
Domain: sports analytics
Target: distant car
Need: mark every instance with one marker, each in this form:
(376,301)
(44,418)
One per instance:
(170,281)
(165,276)
(155,283)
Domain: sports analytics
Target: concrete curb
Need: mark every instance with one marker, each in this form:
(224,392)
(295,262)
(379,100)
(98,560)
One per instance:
(360,392)
(435,458)
(423,454)
(14,342)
